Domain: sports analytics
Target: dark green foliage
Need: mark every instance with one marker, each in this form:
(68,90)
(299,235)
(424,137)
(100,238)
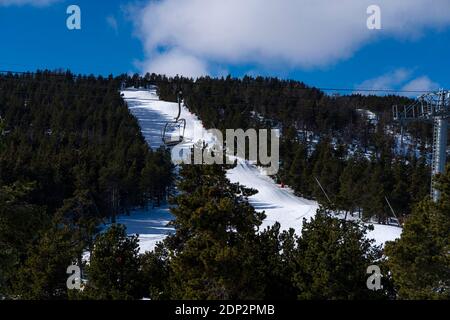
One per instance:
(332,259)
(71,156)
(352,183)
(420,260)
(419,180)
(211,254)
(401,195)
(114,269)
(2,133)
(155,274)
(63,129)
(20,224)
(299,176)
(327,168)
(156,177)
(277,251)
(43,275)
(376,189)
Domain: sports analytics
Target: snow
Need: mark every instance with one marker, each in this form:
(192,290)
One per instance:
(384,233)
(151,225)
(369,115)
(279,204)
(153,114)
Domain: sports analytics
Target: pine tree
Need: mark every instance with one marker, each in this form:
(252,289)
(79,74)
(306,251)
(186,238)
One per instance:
(111,183)
(332,259)
(276,251)
(374,204)
(297,171)
(419,260)
(400,197)
(20,224)
(114,268)
(43,275)
(352,182)
(212,254)
(81,215)
(155,274)
(419,185)
(327,169)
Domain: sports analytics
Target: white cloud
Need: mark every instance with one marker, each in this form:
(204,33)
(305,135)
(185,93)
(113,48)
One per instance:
(401,79)
(36,3)
(421,84)
(174,63)
(292,33)
(387,81)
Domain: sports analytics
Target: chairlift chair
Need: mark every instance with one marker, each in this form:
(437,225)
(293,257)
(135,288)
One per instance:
(173,132)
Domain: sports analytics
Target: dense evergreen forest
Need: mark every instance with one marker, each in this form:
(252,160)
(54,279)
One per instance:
(72,157)
(219,252)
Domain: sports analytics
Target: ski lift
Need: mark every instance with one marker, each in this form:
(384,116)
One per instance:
(173,132)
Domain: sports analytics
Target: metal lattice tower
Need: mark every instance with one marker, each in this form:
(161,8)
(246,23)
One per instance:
(433,108)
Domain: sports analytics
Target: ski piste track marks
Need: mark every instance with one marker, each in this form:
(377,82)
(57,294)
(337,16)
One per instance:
(279,204)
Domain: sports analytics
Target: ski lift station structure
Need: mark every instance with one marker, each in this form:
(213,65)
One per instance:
(432,108)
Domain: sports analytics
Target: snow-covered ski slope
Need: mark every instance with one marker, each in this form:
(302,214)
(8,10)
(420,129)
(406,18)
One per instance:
(279,204)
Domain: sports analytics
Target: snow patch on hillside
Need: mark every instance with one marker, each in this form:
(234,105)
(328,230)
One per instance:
(370,116)
(150,224)
(279,204)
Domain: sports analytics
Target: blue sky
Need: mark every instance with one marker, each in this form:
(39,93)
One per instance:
(120,36)
(37,37)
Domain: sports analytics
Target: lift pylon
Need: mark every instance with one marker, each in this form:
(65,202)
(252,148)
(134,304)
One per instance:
(433,108)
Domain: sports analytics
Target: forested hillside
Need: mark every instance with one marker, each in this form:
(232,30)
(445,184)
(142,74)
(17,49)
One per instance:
(359,163)
(358,159)
(219,252)
(71,157)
